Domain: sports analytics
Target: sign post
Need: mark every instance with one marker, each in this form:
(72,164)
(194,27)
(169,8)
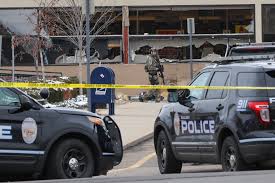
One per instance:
(125,37)
(89,5)
(1,38)
(13,59)
(191,31)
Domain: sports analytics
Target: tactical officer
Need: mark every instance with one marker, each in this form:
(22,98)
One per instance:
(154,69)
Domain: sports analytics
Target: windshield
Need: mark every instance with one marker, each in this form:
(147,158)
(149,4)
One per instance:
(252,51)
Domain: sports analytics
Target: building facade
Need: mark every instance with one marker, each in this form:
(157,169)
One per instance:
(141,25)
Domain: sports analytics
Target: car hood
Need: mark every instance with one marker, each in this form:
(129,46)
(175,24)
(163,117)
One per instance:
(75,112)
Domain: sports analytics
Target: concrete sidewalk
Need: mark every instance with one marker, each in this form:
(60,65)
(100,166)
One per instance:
(136,121)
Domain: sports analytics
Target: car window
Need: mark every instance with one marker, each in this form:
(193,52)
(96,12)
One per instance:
(201,80)
(256,79)
(218,79)
(9,98)
(270,82)
(224,92)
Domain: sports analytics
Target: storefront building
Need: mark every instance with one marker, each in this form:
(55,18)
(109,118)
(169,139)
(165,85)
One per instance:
(141,25)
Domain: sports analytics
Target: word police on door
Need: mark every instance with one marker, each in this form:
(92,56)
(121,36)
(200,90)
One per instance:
(198,126)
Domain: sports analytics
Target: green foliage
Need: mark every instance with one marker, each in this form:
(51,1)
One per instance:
(56,95)
(73,80)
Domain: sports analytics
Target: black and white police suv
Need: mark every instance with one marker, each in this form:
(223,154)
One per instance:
(235,128)
(57,143)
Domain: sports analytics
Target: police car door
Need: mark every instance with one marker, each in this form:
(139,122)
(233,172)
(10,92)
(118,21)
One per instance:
(210,113)
(11,124)
(186,140)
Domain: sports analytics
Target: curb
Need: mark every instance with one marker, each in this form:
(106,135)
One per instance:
(138,141)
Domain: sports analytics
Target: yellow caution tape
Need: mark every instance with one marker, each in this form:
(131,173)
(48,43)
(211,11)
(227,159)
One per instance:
(121,86)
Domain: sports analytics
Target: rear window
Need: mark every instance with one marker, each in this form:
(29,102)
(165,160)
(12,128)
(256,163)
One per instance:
(252,51)
(270,81)
(256,79)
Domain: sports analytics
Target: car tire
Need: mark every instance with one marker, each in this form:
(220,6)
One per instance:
(230,156)
(71,158)
(166,160)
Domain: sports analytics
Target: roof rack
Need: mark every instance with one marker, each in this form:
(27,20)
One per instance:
(255,44)
(234,59)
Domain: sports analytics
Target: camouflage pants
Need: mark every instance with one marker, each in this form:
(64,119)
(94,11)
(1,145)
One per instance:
(154,79)
(156,95)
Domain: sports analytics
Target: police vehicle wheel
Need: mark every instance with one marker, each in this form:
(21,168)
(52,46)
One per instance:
(230,156)
(72,158)
(166,161)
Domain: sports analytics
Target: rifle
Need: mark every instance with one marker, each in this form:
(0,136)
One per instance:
(161,69)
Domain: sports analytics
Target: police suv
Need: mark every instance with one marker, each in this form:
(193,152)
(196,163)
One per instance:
(235,128)
(57,143)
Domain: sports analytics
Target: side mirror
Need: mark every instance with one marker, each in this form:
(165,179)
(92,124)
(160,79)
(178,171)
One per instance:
(44,93)
(172,90)
(172,96)
(183,97)
(26,104)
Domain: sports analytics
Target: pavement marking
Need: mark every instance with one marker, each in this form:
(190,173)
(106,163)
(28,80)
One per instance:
(137,164)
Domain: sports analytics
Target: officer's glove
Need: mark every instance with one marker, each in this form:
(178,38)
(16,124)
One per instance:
(146,69)
(161,69)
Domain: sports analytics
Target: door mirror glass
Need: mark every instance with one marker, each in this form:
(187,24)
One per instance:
(26,104)
(172,96)
(44,93)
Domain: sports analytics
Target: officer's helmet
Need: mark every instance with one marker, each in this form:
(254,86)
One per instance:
(153,51)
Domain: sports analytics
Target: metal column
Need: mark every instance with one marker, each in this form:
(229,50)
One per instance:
(125,29)
(88,50)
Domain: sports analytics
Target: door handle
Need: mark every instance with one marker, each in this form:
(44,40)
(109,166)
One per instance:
(191,109)
(220,107)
